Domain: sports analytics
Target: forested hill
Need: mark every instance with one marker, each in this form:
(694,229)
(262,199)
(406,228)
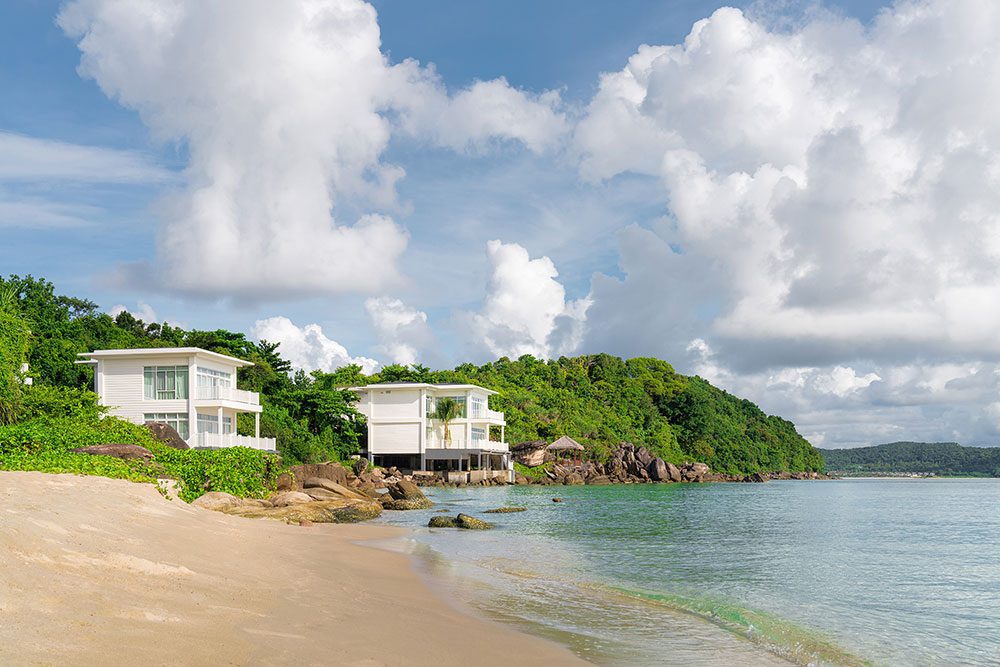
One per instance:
(599,400)
(939,458)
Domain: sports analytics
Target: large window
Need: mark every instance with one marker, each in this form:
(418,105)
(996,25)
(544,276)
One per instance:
(208,377)
(210,423)
(478,434)
(165,382)
(478,407)
(179,420)
(432,406)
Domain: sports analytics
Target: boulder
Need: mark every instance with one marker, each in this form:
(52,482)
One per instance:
(658,471)
(331,471)
(520,479)
(673,472)
(406,490)
(118,451)
(599,480)
(217,501)
(557,500)
(472,523)
(360,466)
(285,482)
(390,503)
(644,457)
(327,511)
(530,454)
(166,434)
(694,472)
(573,479)
(506,510)
(442,522)
(286,498)
(328,485)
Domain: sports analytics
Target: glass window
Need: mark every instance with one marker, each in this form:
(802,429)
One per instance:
(165,382)
(210,423)
(209,377)
(178,420)
(478,433)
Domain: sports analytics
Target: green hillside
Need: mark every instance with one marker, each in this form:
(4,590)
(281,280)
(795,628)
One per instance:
(599,400)
(939,458)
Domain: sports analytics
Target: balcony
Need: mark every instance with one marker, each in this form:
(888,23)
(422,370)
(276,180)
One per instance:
(485,414)
(461,443)
(228,394)
(220,440)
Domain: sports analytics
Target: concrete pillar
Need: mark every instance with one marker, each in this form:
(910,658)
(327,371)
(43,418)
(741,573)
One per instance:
(222,428)
(256,424)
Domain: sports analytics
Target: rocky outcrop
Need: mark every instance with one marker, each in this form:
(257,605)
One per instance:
(217,500)
(118,451)
(531,453)
(463,521)
(405,495)
(331,471)
(286,498)
(166,434)
(327,511)
(506,510)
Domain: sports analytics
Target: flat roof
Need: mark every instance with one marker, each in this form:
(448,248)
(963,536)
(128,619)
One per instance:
(162,351)
(422,385)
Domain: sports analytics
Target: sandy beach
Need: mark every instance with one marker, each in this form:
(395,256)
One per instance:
(100,571)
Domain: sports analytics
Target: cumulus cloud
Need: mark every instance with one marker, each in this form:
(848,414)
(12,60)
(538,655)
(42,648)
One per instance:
(525,310)
(284,108)
(403,333)
(143,311)
(307,347)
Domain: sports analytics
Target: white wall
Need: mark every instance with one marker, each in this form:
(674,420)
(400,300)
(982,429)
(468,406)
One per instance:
(395,438)
(396,404)
(121,387)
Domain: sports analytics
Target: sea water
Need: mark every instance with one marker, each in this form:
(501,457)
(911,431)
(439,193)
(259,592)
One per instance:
(858,571)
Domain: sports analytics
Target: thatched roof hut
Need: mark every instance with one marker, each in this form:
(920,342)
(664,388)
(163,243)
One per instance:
(565,443)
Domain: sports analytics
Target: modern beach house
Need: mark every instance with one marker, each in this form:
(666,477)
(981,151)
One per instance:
(403,430)
(191,389)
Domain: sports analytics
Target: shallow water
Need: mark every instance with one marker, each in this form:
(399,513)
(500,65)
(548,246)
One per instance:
(896,572)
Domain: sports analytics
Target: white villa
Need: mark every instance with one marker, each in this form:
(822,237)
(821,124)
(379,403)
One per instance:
(403,432)
(189,388)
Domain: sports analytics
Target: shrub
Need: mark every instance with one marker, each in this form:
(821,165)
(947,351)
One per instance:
(60,403)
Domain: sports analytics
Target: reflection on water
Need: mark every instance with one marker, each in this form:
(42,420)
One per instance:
(896,571)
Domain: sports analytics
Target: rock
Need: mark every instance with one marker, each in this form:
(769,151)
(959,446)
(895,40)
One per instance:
(328,511)
(305,523)
(557,500)
(674,472)
(390,503)
(755,477)
(442,522)
(360,466)
(600,480)
(118,451)
(694,472)
(472,523)
(530,454)
(332,487)
(405,490)
(644,457)
(216,500)
(520,479)
(658,471)
(331,471)
(285,482)
(166,434)
(573,479)
(506,510)
(286,498)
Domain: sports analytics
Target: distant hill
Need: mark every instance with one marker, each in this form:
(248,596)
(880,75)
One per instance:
(939,458)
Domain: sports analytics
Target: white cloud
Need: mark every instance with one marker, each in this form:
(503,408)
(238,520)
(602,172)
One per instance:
(24,158)
(285,110)
(525,310)
(307,347)
(403,334)
(143,311)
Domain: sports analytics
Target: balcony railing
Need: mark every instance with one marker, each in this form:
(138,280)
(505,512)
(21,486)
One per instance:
(485,413)
(228,394)
(219,440)
(474,443)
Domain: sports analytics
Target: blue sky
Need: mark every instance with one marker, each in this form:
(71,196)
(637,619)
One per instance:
(764,195)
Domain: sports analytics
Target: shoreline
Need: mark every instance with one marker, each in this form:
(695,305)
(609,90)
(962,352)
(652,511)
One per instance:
(96,570)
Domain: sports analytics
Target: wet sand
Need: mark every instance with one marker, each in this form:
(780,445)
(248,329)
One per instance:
(95,571)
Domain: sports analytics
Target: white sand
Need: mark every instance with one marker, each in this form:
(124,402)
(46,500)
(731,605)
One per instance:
(96,571)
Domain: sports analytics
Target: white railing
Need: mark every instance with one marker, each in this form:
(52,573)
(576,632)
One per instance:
(228,394)
(485,413)
(219,440)
(475,443)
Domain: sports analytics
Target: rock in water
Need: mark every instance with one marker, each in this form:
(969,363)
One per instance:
(506,510)
(674,472)
(405,495)
(658,471)
(600,480)
(573,479)
(118,451)
(557,500)
(166,434)
(472,523)
(442,522)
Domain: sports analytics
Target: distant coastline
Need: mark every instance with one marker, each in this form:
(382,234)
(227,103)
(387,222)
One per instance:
(913,459)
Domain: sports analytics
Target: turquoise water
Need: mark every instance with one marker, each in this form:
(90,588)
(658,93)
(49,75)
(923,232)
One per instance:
(894,572)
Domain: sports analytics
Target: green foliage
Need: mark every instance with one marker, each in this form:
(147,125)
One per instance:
(939,458)
(14,334)
(446,410)
(60,403)
(243,472)
(535,472)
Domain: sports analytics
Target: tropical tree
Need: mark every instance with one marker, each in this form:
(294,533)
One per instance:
(446,410)
(14,334)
